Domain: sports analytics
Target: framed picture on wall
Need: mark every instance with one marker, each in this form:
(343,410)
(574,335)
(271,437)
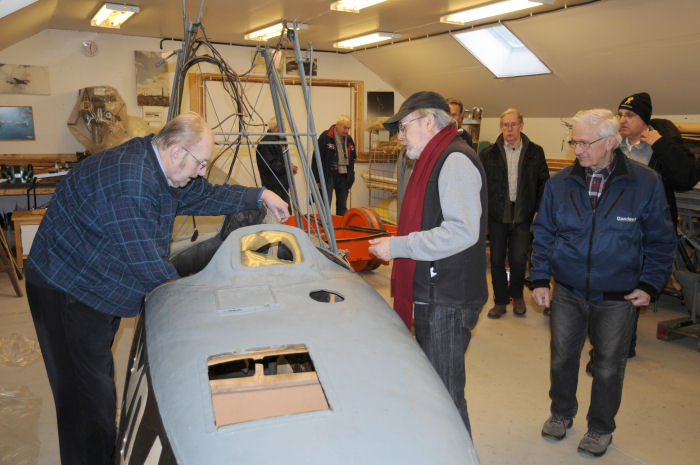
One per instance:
(291,67)
(16,123)
(380,104)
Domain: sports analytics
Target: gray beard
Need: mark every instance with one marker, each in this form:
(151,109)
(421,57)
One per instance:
(413,153)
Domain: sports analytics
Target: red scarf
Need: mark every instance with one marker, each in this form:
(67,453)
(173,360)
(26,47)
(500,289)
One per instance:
(411,219)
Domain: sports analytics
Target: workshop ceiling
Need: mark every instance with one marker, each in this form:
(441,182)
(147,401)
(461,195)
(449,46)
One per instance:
(598,50)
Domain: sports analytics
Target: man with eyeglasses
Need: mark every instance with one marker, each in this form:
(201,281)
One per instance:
(604,234)
(516,172)
(102,245)
(439,271)
(338,156)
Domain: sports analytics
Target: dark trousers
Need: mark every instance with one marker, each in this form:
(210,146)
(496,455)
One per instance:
(610,324)
(444,334)
(76,345)
(513,239)
(341,185)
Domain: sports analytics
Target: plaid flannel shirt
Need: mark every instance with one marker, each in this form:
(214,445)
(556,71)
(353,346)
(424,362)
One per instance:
(105,238)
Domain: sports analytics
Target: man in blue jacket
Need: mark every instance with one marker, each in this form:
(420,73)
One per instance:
(604,234)
(102,245)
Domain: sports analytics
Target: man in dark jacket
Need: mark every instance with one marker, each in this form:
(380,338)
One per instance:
(457,113)
(604,234)
(269,155)
(338,156)
(102,245)
(439,271)
(516,172)
(657,144)
(652,143)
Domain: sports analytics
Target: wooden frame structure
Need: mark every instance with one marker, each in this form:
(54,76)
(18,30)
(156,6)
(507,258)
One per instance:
(197,96)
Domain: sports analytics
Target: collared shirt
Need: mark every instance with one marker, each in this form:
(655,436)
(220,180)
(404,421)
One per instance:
(640,152)
(512,161)
(160,162)
(596,181)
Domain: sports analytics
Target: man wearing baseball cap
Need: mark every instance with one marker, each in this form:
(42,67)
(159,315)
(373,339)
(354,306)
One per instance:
(657,144)
(439,272)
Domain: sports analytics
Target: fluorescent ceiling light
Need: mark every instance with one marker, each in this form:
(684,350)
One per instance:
(353,6)
(274,30)
(10,6)
(366,39)
(501,52)
(494,9)
(113,15)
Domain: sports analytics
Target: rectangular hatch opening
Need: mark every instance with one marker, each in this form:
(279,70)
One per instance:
(264,383)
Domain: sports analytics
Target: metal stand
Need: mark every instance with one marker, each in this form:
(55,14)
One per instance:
(687,267)
(11,266)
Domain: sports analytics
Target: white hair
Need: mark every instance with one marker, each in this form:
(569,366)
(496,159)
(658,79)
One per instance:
(604,120)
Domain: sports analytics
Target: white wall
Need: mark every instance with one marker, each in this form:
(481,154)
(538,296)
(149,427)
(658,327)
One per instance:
(70,70)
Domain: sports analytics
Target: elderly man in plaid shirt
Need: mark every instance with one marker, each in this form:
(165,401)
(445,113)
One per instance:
(102,245)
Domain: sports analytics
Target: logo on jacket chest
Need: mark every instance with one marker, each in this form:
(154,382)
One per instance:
(626,219)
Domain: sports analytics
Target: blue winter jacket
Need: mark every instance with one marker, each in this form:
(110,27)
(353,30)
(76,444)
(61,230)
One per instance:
(625,243)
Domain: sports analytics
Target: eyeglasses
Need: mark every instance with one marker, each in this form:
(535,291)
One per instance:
(202,164)
(583,144)
(402,126)
(510,125)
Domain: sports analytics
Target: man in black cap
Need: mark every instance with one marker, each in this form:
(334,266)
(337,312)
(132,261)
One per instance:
(657,144)
(439,271)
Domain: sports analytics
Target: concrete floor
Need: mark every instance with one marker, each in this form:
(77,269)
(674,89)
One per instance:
(507,386)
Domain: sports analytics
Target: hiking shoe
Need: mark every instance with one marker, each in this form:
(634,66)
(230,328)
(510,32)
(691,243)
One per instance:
(594,444)
(496,311)
(555,427)
(519,307)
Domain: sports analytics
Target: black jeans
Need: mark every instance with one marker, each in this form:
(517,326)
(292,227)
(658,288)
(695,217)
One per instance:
(513,238)
(340,184)
(444,334)
(76,343)
(610,323)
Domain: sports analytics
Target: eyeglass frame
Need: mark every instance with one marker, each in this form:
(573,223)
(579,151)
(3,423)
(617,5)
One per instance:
(202,164)
(583,144)
(402,126)
(511,125)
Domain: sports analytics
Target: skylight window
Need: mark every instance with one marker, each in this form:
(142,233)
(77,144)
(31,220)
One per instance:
(501,52)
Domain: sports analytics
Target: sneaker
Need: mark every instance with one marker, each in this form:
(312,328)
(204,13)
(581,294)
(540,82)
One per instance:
(497,311)
(555,427)
(519,307)
(594,444)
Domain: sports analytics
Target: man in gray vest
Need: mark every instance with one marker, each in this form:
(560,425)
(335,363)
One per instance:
(439,272)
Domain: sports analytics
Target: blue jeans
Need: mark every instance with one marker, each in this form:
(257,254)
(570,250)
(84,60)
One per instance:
(444,334)
(611,324)
(513,238)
